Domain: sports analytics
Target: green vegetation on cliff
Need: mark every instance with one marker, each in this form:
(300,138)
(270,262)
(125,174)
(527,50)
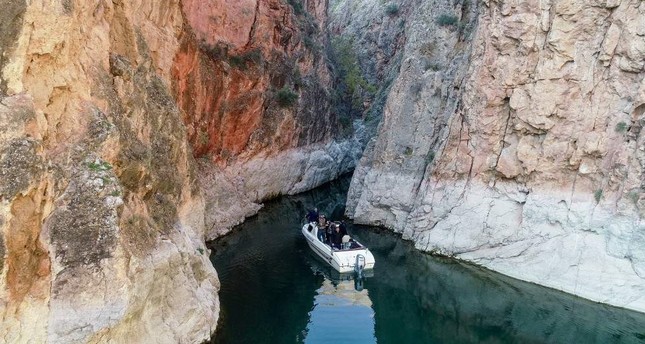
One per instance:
(353,89)
(286,97)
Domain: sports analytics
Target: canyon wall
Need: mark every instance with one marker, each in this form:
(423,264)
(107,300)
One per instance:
(511,138)
(133,131)
(254,83)
(102,218)
(366,45)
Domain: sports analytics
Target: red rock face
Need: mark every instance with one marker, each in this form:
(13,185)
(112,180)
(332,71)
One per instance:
(205,88)
(219,21)
(233,59)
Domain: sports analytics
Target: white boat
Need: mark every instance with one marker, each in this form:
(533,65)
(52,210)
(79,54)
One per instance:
(351,257)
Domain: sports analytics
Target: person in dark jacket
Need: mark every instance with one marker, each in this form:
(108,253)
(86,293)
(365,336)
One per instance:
(330,232)
(312,215)
(322,228)
(343,229)
(336,237)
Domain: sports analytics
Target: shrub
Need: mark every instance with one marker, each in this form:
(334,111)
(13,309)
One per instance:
(597,195)
(99,166)
(621,127)
(203,137)
(215,52)
(311,44)
(634,196)
(401,23)
(240,61)
(432,66)
(349,69)
(430,157)
(392,9)
(286,97)
(297,6)
(345,120)
(462,27)
(408,151)
(428,49)
(297,78)
(236,61)
(447,20)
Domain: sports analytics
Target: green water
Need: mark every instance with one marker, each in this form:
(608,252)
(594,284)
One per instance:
(274,290)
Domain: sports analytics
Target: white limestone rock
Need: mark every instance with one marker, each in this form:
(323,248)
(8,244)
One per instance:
(521,152)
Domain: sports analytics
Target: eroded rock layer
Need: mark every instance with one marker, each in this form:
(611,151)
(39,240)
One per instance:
(513,136)
(102,220)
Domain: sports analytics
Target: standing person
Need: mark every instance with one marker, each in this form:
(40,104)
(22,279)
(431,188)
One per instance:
(336,237)
(322,228)
(343,229)
(330,232)
(312,215)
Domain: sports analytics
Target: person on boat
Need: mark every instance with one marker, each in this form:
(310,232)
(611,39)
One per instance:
(312,215)
(322,228)
(330,232)
(343,228)
(336,237)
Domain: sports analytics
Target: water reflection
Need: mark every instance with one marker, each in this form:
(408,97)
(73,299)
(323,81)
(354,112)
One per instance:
(419,299)
(342,311)
(341,314)
(274,290)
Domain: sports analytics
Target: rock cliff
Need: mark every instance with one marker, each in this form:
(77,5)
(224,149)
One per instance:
(102,220)
(366,45)
(513,135)
(131,132)
(254,84)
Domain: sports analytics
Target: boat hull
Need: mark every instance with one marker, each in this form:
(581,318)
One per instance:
(342,261)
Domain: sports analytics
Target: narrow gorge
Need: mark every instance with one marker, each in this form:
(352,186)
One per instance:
(504,133)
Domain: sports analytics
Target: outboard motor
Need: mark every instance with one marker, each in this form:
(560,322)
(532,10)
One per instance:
(359,266)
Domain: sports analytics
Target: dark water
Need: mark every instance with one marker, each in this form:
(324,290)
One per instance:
(275,291)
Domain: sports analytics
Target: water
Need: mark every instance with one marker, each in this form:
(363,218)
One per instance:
(274,290)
